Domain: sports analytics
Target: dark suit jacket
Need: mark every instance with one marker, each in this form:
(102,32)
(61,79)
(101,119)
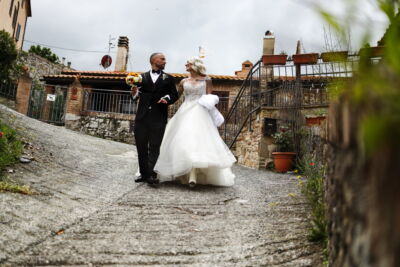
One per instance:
(150,93)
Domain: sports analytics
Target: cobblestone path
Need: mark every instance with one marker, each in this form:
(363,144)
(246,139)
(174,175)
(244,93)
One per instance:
(87,211)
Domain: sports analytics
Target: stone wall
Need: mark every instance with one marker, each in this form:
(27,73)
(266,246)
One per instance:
(362,192)
(117,127)
(38,66)
(247,145)
(254,149)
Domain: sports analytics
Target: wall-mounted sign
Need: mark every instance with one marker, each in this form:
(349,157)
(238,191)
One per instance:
(51,97)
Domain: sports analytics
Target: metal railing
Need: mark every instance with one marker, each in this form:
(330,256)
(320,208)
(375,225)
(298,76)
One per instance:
(108,101)
(314,94)
(247,101)
(8,89)
(289,87)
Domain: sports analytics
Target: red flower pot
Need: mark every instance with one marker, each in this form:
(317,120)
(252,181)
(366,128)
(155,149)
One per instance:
(283,161)
(274,59)
(305,58)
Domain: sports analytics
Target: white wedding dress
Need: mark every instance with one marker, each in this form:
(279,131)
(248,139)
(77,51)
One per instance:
(191,140)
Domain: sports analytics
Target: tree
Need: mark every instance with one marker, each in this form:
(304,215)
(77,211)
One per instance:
(8,55)
(44,52)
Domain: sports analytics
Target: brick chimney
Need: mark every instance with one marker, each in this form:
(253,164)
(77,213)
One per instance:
(122,54)
(246,67)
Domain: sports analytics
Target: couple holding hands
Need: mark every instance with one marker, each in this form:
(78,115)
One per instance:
(188,147)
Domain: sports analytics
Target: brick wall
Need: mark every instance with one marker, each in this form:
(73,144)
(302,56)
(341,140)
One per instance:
(74,105)
(23,93)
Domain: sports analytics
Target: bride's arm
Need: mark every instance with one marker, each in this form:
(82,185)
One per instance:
(209,86)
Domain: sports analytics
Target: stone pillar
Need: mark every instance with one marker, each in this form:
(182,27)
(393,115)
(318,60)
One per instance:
(74,105)
(23,93)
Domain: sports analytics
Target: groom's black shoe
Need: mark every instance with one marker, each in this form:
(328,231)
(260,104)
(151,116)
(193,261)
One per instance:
(153,180)
(140,179)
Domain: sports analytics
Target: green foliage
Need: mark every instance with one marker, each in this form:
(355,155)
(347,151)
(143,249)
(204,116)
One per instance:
(44,52)
(284,141)
(13,187)
(10,151)
(10,146)
(9,67)
(313,189)
(375,88)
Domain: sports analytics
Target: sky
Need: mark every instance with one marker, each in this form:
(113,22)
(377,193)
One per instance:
(230,31)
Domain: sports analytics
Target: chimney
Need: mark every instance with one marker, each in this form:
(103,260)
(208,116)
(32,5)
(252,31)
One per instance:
(268,49)
(269,43)
(122,53)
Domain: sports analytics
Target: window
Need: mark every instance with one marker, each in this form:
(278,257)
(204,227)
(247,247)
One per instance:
(11,7)
(14,23)
(18,32)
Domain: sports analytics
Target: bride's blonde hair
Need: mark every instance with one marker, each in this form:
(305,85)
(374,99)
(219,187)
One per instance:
(197,65)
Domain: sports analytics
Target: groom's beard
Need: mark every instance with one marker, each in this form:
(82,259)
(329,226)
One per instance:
(161,66)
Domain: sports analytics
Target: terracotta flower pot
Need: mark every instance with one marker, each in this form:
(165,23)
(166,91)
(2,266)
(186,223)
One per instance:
(274,59)
(305,58)
(334,56)
(283,161)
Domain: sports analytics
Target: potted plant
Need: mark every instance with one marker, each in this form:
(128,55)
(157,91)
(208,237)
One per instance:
(334,56)
(310,58)
(275,59)
(284,156)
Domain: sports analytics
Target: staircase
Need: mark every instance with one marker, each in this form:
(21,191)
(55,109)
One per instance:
(247,102)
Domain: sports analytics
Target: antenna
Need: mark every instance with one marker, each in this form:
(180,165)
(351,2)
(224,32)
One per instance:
(106,60)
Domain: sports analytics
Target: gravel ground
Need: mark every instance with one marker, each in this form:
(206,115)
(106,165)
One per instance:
(86,210)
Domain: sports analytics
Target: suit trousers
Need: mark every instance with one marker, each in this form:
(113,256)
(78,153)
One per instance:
(148,135)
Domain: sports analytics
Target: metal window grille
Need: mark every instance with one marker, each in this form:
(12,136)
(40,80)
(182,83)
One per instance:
(108,101)
(8,89)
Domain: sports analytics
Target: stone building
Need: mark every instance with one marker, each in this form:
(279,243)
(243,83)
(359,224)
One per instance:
(14,15)
(98,102)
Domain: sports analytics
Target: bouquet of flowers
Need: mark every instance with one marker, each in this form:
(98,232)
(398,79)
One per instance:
(132,79)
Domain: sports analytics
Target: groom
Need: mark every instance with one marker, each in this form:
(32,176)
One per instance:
(157,91)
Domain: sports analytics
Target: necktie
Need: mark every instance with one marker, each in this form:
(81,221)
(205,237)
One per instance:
(156,71)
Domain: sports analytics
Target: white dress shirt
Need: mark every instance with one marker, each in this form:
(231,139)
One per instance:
(154,76)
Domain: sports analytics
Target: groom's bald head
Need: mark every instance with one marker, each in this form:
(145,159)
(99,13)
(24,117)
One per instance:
(158,61)
(152,56)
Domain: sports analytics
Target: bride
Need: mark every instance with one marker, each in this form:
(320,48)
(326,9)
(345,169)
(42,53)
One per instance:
(192,150)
